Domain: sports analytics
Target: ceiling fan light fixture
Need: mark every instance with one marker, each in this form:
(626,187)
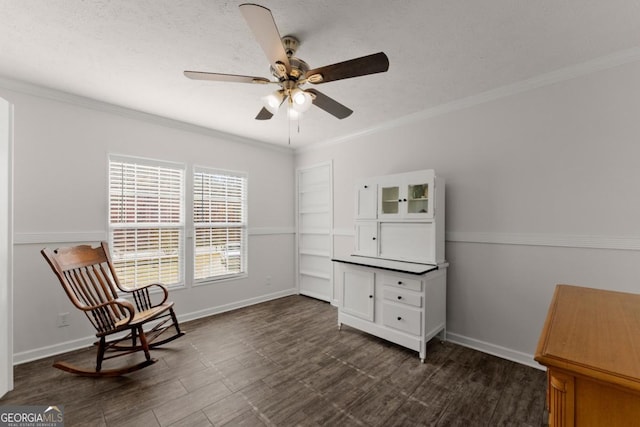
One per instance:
(294,114)
(301,100)
(273,100)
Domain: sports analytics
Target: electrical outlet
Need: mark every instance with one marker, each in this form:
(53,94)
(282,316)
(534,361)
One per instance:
(268,281)
(63,319)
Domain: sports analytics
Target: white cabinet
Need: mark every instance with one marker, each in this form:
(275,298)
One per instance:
(407,308)
(366,200)
(358,295)
(394,285)
(408,241)
(401,217)
(407,196)
(366,238)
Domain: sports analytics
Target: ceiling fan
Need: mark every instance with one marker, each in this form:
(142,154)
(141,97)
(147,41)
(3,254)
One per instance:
(291,72)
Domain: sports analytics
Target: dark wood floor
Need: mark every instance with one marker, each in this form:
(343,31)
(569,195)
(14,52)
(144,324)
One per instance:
(285,363)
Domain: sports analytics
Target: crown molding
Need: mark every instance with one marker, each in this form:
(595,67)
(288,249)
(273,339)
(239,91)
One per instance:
(81,101)
(564,74)
(598,64)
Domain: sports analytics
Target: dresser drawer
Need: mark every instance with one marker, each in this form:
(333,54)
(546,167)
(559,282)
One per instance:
(403,318)
(402,282)
(401,296)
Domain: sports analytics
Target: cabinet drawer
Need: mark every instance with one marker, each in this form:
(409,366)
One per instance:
(402,282)
(402,296)
(402,318)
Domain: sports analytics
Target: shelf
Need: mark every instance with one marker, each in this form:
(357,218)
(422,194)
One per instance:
(315,274)
(314,188)
(313,210)
(312,252)
(321,231)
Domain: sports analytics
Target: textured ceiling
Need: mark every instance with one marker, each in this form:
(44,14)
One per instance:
(133,53)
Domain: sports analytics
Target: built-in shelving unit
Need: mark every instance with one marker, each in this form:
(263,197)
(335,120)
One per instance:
(314,225)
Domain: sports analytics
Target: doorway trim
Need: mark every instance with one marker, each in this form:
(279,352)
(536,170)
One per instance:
(6,246)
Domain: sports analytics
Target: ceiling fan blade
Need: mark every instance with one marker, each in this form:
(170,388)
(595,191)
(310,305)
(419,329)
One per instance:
(370,64)
(266,32)
(217,77)
(329,105)
(264,114)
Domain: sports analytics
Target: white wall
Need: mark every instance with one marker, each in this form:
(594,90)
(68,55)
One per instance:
(542,188)
(60,187)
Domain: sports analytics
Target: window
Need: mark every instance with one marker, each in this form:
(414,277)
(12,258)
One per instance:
(146,221)
(219,222)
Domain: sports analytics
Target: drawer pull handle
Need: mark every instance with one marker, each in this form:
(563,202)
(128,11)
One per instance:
(366,186)
(399,282)
(373,238)
(399,297)
(399,318)
(370,296)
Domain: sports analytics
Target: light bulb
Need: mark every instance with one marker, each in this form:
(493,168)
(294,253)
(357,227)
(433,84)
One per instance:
(272,101)
(301,100)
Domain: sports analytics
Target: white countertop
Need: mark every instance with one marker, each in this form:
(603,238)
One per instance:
(388,264)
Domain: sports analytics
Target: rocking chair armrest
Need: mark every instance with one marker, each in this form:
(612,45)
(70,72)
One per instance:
(98,311)
(127,306)
(142,295)
(117,301)
(165,292)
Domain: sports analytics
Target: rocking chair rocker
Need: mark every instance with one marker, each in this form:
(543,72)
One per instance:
(89,279)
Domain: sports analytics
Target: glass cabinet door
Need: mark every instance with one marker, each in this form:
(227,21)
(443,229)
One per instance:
(418,198)
(390,200)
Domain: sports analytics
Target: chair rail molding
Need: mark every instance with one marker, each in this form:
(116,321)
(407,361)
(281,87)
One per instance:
(629,243)
(31,238)
(624,243)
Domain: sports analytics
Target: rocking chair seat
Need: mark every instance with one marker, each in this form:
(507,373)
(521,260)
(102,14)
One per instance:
(141,317)
(89,279)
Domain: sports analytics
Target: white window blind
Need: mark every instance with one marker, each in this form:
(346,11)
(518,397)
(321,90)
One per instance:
(146,221)
(220,225)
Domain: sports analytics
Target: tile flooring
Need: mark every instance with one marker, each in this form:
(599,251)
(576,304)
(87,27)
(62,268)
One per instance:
(285,363)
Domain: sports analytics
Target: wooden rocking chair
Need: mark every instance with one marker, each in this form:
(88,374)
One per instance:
(88,277)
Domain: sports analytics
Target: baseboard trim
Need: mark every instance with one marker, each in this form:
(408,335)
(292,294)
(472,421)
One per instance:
(52,350)
(495,350)
(236,305)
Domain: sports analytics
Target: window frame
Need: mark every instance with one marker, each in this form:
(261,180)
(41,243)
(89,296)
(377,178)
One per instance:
(181,226)
(242,225)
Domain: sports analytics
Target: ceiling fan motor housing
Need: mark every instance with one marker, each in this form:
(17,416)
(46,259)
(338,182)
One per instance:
(297,65)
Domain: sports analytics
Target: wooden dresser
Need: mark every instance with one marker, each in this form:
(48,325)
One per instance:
(590,345)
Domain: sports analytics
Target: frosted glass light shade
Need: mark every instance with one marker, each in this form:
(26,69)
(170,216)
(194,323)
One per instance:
(294,114)
(301,100)
(272,101)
